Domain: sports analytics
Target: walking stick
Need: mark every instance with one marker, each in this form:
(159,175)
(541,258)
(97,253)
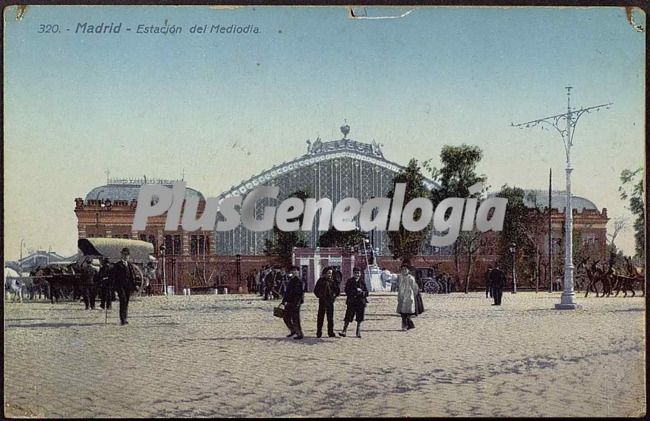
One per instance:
(106,301)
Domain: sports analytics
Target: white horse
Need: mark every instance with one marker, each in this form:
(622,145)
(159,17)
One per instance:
(13,285)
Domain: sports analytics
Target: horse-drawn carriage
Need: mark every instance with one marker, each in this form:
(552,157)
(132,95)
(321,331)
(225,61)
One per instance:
(94,250)
(56,280)
(430,280)
(66,280)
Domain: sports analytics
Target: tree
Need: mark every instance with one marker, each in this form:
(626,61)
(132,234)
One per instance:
(468,243)
(455,176)
(524,227)
(457,172)
(620,225)
(282,243)
(631,189)
(405,244)
(336,238)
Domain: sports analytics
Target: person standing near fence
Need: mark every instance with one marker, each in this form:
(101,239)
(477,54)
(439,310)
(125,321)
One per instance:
(293,299)
(356,293)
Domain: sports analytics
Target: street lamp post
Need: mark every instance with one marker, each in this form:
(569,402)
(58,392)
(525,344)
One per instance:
(238,271)
(174,275)
(162,255)
(565,124)
(513,251)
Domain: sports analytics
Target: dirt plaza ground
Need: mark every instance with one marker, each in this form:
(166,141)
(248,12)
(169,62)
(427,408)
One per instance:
(226,355)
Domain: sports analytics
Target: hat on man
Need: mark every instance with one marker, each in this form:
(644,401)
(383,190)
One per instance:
(125,250)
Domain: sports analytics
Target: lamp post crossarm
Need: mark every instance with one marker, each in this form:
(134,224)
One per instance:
(559,123)
(575,116)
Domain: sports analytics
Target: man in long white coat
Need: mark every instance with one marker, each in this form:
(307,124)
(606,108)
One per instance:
(407,290)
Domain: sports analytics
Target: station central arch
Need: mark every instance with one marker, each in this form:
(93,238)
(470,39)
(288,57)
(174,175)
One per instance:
(334,169)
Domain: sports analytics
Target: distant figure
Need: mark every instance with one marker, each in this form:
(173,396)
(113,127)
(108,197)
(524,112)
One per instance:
(326,289)
(338,277)
(281,282)
(89,272)
(497,282)
(488,288)
(250,282)
(105,285)
(356,292)
(261,280)
(278,276)
(149,274)
(269,283)
(123,280)
(293,299)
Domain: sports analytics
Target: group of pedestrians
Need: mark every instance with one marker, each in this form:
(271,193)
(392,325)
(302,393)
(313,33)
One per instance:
(271,283)
(327,289)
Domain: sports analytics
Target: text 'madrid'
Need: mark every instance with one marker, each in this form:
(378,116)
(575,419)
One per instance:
(380,213)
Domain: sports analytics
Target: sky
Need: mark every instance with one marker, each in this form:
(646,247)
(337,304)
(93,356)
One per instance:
(218,108)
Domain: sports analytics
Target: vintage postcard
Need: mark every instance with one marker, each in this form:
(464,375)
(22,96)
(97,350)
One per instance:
(424,211)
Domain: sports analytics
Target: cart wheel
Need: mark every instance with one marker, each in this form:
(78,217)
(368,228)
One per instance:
(431,287)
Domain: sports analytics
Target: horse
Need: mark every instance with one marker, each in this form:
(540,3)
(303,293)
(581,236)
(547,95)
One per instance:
(14,289)
(630,281)
(594,275)
(625,283)
(62,280)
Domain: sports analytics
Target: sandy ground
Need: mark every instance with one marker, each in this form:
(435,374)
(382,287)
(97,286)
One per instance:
(226,355)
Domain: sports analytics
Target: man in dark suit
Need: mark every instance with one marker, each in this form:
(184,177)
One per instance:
(326,289)
(292,299)
(497,282)
(356,292)
(123,281)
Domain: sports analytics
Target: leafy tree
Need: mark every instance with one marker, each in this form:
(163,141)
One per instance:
(457,172)
(281,243)
(631,189)
(455,176)
(336,238)
(524,227)
(405,244)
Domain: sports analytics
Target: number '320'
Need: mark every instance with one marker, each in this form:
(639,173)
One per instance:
(48,29)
